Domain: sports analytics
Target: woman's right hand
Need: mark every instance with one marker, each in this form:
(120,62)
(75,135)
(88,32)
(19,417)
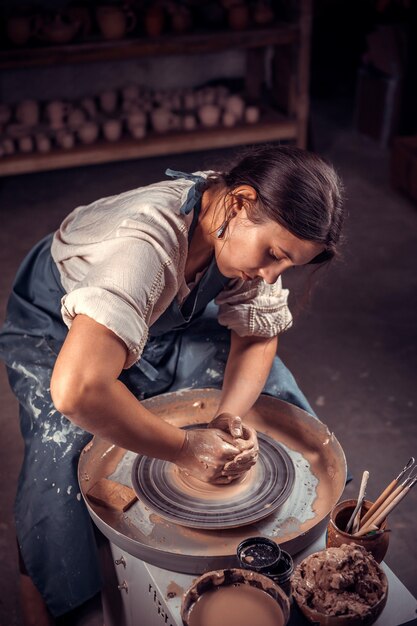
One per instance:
(205,452)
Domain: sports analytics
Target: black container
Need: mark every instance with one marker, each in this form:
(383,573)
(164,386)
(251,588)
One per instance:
(281,573)
(259,554)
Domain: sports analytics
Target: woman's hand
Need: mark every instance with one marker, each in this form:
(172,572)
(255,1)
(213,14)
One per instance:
(244,437)
(205,453)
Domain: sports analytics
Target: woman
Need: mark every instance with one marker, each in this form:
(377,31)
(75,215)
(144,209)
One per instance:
(112,309)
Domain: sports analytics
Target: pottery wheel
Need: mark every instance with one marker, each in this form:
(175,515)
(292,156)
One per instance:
(160,486)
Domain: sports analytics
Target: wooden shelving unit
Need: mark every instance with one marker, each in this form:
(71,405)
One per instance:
(286,120)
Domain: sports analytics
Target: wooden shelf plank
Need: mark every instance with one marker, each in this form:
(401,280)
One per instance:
(186,44)
(152,145)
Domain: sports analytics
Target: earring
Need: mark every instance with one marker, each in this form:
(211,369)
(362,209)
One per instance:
(220,231)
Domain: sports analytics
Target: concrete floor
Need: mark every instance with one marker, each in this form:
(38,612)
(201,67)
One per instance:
(353,349)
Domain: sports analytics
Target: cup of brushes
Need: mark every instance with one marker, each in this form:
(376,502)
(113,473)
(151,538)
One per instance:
(363,522)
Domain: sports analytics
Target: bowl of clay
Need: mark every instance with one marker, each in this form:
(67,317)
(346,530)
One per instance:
(236,597)
(340,586)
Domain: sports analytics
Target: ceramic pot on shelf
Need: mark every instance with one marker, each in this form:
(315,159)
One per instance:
(27,112)
(57,29)
(154,21)
(19,29)
(115,21)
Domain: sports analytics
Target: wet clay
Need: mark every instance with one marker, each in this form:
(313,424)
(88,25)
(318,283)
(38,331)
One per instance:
(236,605)
(197,488)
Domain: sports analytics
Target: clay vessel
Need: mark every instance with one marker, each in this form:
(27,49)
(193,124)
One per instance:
(209,115)
(112,130)
(27,112)
(56,111)
(57,30)
(114,22)
(108,101)
(238,17)
(377,545)
(19,29)
(88,132)
(154,21)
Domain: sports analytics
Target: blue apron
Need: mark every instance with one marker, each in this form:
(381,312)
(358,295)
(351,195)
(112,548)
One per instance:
(187,348)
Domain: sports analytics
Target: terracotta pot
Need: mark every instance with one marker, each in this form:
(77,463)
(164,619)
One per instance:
(238,17)
(377,545)
(19,29)
(57,30)
(154,21)
(27,112)
(114,22)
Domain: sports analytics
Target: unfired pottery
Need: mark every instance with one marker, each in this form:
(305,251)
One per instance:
(154,21)
(236,105)
(5,113)
(65,139)
(163,120)
(76,118)
(108,101)
(89,105)
(8,146)
(189,122)
(42,143)
(27,112)
(138,131)
(88,132)
(209,115)
(252,114)
(56,111)
(229,119)
(25,144)
(112,130)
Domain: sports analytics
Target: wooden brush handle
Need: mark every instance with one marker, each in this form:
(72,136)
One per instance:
(378,502)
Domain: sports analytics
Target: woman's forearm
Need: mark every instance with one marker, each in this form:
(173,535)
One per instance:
(86,389)
(247,369)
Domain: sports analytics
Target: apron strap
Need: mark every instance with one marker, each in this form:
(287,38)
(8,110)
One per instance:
(195,191)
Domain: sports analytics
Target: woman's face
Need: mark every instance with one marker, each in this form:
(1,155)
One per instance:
(265,250)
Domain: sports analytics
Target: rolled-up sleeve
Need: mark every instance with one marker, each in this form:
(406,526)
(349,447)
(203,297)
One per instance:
(123,291)
(254,308)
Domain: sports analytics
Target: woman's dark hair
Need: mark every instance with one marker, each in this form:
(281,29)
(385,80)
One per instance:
(297,189)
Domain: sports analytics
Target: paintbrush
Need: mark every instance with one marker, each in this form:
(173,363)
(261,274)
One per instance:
(388,509)
(354,518)
(385,493)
